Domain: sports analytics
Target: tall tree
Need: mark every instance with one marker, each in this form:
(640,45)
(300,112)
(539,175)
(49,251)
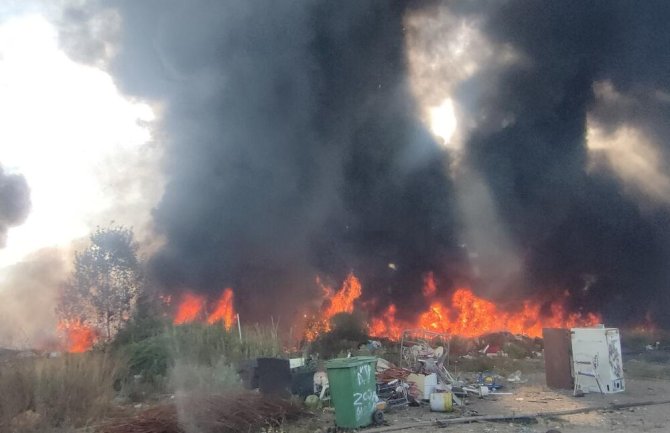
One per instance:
(105,283)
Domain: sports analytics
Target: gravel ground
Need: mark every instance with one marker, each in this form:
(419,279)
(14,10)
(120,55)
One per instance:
(534,396)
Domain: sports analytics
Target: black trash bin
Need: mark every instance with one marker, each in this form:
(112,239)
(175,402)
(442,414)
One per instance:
(302,381)
(274,376)
(248,372)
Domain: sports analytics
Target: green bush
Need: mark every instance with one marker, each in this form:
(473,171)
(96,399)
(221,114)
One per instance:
(149,358)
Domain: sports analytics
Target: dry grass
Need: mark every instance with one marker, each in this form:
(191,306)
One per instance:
(47,394)
(229,413)
(79,390)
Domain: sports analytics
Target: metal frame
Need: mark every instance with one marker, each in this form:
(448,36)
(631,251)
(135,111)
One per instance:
(414,337)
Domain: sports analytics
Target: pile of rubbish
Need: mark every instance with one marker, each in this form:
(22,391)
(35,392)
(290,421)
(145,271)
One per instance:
(422,375)
(498,344)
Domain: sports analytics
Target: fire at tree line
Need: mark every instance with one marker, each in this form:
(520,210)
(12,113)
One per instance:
(131,358)
(107,290)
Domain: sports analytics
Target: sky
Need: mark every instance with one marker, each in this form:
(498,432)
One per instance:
(67,129)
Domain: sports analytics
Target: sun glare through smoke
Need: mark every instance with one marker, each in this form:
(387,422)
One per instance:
(443,121)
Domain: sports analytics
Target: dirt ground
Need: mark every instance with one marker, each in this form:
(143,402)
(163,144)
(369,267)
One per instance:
(533,396)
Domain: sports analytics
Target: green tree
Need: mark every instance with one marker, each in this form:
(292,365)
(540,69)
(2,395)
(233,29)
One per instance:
(105,283)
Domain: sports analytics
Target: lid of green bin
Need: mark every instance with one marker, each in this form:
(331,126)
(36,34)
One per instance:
(354,361)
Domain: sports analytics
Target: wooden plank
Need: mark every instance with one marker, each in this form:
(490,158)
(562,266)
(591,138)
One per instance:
(557,354)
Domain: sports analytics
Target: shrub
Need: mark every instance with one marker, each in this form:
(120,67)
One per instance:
(347,332)
(149,358)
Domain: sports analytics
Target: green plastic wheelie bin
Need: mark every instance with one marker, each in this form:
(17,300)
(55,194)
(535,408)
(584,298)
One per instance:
(353,390)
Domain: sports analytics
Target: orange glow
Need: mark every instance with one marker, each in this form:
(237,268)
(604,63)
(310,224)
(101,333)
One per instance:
(79,337)
(224,310)
(386,325)
(429,288)
(334,303)
(189,308)
(647,326)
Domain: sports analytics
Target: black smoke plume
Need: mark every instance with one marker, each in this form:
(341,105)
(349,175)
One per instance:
(14,202)
(578,228)
(293,148)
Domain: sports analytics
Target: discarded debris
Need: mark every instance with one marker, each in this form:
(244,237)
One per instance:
(516,377)
(441,402)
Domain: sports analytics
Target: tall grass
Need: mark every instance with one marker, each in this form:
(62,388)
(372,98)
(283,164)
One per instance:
(207,344)
(193,357)
(69,391)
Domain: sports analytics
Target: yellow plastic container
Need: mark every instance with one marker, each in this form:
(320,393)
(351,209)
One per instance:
(441,402)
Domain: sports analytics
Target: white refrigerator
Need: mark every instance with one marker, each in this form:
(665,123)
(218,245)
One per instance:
(596,360)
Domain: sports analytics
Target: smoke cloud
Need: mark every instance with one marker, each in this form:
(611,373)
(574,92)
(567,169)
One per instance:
(296,146)
(14,202)
(28,292)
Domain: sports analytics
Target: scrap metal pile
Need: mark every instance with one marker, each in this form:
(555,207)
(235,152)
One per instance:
(422,372)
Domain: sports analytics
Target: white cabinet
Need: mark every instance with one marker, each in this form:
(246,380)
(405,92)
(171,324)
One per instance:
(596,359)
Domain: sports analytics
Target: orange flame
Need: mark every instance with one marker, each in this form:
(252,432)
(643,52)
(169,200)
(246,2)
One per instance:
(468,315)
(224,310)
(79,337)
(189,308)
(334,303)
(192,308)
(343,300)
(464,314)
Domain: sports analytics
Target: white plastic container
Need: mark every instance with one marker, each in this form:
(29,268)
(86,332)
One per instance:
(425,383)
